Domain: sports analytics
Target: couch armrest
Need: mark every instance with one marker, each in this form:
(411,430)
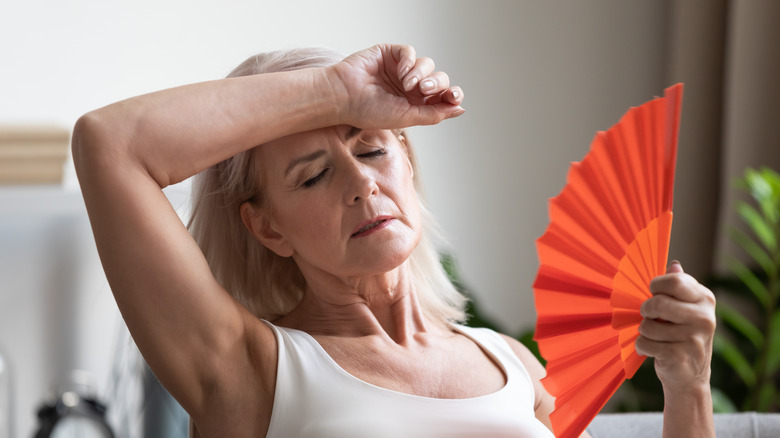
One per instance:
(649,425)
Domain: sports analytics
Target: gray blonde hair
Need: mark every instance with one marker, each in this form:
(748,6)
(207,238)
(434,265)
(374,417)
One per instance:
(268,285)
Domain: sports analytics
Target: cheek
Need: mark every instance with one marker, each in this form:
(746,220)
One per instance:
(402,181)
(302,218)
(308,224)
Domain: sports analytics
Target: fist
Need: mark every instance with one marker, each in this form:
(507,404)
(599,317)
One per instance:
(678,329)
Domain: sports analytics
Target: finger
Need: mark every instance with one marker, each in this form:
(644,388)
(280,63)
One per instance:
(674,268)
(680,286)
(696,350)
(423,67)
(648,347)
(449,111)
(405,56)
(433,114)
(436,83)
(451,96)
(672,310)
(661,331)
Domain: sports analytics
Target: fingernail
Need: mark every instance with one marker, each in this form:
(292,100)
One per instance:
(427,85)
(404,71)
(455,94)
(410,83)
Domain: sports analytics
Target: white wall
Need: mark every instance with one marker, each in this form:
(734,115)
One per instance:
(539,77)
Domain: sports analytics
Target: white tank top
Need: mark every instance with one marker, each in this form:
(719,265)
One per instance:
(315,397)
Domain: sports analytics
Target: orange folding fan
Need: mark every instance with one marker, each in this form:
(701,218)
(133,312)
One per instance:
(608,237)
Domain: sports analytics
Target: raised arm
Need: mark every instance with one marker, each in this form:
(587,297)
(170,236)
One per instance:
(192,333)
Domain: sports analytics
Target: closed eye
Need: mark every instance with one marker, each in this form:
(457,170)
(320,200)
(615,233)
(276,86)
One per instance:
(311,182)
(373,154)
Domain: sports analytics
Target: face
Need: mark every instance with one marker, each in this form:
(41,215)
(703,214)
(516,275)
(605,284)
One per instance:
(342,201)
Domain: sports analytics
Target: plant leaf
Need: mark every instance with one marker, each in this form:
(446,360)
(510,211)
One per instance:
(773,339)
(721,403)
(772,178)
(751,281)
(758,186)
(751,247)
(766,395)
(765,189)
(757,223)
(731,354)
(741,324)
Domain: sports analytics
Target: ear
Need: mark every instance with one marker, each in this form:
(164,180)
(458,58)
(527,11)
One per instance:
(259,225)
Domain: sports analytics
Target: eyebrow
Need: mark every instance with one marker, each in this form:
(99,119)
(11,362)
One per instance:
(353,131)
(304,159)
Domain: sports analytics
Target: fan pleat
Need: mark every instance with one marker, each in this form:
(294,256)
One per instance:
(631,360)
(583,204)
(567,420)
(671,129)
(577,267)
(629,193)
(566,374)
(579,246)
(566,208)
(633,149)
(653,152)
(620,209)
(607,239)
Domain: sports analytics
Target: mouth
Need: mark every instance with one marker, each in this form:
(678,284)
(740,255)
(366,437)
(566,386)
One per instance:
(372,226)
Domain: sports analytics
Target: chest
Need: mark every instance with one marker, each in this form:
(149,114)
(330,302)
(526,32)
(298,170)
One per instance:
(454,368)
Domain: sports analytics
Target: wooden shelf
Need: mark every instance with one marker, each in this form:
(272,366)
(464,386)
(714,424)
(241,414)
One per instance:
(32,154)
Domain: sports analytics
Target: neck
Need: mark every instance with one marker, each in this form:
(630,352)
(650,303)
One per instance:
(384,305)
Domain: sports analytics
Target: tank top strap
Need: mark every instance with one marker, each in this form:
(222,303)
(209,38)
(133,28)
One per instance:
(516,374)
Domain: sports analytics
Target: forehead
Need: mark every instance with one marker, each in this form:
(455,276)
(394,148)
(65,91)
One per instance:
(293,145)
(276,154)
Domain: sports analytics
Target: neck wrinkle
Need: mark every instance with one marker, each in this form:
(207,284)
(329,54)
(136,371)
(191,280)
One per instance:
(391,310)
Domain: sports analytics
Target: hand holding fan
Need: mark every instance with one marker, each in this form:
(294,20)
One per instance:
(608,237)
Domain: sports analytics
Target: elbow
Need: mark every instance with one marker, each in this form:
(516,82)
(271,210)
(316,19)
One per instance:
(86,140)
(83,130)
(108,142)
(96,145)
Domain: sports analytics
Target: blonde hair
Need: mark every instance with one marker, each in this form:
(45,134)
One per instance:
(268,285)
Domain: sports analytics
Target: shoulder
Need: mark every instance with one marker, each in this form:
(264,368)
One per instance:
(530,362)
(543,401)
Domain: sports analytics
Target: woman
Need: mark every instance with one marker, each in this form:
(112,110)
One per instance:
(339,323)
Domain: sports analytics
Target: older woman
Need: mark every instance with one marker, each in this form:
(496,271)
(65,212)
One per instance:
(310,302)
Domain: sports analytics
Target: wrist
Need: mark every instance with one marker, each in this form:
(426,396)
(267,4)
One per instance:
(331,87)
(688,412)
(330,92)
(698,393)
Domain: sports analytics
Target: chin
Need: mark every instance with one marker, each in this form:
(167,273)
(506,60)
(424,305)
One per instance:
(387,259)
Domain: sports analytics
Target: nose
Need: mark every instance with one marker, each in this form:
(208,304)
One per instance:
(360,183)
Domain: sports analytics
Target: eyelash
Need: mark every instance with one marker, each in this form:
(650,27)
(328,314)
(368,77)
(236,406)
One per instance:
(311,182)
(373,154)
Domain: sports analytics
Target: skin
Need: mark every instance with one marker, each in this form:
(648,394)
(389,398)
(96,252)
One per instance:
(333,123)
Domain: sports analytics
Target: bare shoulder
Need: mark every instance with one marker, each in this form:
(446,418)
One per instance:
(531,363)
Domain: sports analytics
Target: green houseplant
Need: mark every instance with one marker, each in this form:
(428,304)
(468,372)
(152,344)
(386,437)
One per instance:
(747,344)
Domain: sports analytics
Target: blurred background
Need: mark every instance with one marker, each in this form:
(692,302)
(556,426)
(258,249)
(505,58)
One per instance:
(540,78)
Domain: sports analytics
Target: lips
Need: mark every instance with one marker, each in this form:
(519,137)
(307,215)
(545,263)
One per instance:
(371,226)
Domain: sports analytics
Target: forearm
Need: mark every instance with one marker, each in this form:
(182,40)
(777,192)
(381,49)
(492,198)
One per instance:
(175,133)
(688,413)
